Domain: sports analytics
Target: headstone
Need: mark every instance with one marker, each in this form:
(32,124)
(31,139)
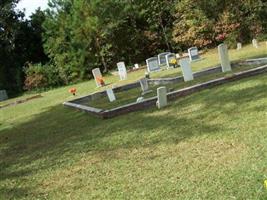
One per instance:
(136,66)
(177,55)
(255,43)
(152,64)
(122,71)
(224,58)
(97,75)
(162,97)
(144,86)
(239,46)
(111,95)
(3,95)
(171,60)
(162,58)
(186,69)
(193,54)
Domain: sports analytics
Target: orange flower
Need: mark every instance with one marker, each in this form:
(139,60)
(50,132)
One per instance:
(73,91)
(100,80)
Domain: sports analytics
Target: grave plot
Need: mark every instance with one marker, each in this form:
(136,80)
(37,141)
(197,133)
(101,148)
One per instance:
(126,96)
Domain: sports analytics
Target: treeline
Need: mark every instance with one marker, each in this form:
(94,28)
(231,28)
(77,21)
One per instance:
(79,35)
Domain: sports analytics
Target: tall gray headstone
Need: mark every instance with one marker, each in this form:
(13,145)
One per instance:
(111,95)
(97,74)
(152,64)
(193,54)
(224,58)
(186,69)
(239,46)
(3,95)
(255,43)
(170,58)
(162,58)
(162,97)
(122,71)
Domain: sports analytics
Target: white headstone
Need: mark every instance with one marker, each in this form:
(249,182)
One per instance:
(171,58)
(152,64)
(122,71)
(255,43)
(177,55)
(97,74)
(162,58)
(239,46)
(224,58)
(136,66)
(140,99)
(3,95)
(162,97)
(193,54)
(111,95)
(186,69)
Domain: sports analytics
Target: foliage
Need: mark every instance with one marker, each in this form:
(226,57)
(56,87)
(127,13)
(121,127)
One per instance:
(41,76)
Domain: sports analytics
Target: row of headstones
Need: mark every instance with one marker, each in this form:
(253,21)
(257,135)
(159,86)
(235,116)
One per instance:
(255,44)
(188,75)
(169,59)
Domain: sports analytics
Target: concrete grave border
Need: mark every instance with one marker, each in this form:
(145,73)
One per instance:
(151,102)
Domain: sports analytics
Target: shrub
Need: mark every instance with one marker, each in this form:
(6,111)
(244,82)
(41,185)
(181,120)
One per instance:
(40,76)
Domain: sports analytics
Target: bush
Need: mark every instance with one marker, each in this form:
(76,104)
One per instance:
(40,76)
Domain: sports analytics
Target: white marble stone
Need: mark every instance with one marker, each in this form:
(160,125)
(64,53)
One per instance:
(111,95)
(162,58)
(122,71)
(152,64)
(97,74)
(255,43)
(224,58)
(169,58)
(140,99)
(239,46)
(162,97)
(136,66)
(186,69)
(3,95)
(193,54)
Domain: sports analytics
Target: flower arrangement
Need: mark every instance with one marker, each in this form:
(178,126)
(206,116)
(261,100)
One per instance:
(100,80)
(173,61)
(73,91)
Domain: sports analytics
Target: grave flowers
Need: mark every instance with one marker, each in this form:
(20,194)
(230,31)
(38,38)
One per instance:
(73,91)
(100,80)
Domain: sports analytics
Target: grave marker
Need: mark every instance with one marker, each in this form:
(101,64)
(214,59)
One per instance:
(3,95)
(224,58)
(186,69)
(144,86)
(162,58)
(136,66)
(239,46)
(111,95)
(122,71)
(193,54)
(97,76)
(255,43)
(171,60)
(162,97)
(152,64)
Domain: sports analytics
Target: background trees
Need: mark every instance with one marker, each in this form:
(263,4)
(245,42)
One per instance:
(72,37)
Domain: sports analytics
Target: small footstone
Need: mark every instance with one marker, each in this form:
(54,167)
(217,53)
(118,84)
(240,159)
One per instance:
(162,97)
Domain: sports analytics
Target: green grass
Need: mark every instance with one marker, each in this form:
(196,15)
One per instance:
(210,145)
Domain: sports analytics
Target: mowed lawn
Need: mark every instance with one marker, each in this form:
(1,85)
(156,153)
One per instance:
(210,145)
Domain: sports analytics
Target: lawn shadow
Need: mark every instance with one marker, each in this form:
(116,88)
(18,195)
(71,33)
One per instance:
(57,137)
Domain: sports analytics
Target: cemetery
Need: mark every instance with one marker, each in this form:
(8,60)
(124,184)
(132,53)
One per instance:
(143,94)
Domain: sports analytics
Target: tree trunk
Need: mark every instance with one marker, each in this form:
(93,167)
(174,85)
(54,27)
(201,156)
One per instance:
(103,60)
(165,35)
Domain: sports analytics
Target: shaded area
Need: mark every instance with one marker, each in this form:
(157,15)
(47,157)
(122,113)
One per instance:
(58,137)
